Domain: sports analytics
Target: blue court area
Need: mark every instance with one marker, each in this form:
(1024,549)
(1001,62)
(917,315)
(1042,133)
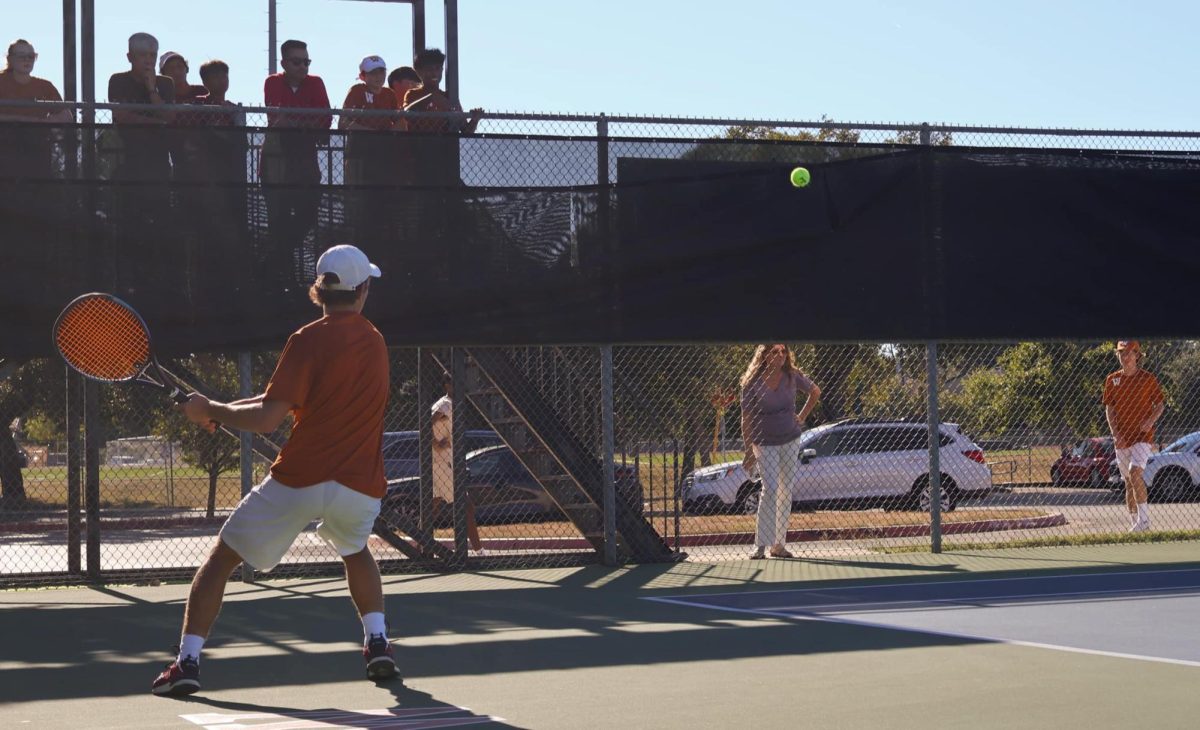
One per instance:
(1145,615)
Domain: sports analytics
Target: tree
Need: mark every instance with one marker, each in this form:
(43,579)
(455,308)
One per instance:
(212,453)
(35,386)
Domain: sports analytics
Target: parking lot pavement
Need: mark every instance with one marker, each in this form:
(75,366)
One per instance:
(1088,511)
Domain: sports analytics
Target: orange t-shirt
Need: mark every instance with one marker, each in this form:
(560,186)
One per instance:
(1132,398)
(430,101)
(36,90)
(334,373)
(385,100)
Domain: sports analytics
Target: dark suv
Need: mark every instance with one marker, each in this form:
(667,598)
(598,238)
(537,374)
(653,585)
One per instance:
(401,450)
(504,491)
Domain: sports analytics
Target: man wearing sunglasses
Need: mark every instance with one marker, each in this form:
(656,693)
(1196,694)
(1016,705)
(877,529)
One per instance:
(290,170)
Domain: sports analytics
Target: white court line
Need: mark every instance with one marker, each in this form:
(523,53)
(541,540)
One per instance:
(858,586)
(930,632)
(965,599)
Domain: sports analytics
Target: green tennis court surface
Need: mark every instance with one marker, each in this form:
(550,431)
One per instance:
(1089,636)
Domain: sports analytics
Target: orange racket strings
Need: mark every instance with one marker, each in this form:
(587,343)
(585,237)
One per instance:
(103,339)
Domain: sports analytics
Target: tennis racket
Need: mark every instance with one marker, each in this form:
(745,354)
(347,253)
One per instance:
(105,339)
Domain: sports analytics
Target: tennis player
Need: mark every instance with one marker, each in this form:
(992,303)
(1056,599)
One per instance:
(333,376)
(1133,403)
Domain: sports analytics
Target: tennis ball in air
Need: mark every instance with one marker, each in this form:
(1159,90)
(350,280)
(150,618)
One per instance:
(800,177)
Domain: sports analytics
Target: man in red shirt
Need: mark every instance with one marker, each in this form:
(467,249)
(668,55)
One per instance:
(291,173)
(333,377)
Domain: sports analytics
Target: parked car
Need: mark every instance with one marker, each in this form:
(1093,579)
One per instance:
(504,490)
(1174,472)
(1088,462)
(856,463)
(401,450)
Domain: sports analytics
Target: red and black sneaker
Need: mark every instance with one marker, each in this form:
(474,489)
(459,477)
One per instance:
(178,679)
(381,664)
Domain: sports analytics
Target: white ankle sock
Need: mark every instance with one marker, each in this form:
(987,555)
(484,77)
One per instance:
(374,624)
(190,646)
(1143,512)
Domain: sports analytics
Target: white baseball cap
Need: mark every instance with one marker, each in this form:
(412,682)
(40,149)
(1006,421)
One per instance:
(349,264)
(371,63)
(162,60)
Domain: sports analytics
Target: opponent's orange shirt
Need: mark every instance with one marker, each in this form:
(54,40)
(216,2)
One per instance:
(359,97)
(1132,398)
(334,373)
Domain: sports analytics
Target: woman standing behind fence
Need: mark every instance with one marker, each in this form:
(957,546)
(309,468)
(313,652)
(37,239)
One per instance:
(770,429)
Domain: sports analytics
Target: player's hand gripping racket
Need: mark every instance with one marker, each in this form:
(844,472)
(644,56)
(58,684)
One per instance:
(105,339)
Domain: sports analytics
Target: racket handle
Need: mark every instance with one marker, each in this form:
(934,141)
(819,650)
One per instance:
(181,397)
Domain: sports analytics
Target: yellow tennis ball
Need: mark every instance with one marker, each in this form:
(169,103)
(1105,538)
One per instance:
(800,177)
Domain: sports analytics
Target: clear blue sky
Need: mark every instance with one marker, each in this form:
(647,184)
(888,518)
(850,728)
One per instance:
(1103,63)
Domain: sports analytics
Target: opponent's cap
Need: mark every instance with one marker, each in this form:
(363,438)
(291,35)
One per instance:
(349,264)
(162,60)
(1129,345)
(371,63)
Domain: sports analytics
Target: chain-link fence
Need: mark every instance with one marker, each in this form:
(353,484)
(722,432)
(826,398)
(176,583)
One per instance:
(546,455)
(510,468)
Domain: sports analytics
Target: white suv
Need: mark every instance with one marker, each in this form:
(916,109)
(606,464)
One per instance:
(857,463)
(1173,474)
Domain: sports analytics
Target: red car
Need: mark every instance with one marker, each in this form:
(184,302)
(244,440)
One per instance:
(1087,462)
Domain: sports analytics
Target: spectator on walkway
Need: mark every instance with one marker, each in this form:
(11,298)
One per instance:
(443,465)
(176,67)
(144,153)
(400,81)
(215,77)
(428,97)
(1133,403)
(370,152)
(291,173)
(372,94)
(26,151)
(771,428)
(217,147)
(17,83)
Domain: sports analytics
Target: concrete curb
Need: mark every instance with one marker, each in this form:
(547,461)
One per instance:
(1055,519)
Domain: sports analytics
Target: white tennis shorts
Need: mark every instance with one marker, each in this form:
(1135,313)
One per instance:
(1137,455)
(268,519)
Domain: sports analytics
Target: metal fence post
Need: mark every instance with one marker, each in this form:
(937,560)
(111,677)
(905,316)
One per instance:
(935,445)
(74,487)
(244,437)
(91,468)
(458,450)
(425,370)
(606,428)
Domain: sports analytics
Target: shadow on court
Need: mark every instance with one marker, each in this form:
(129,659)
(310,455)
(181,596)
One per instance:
(411,706)
(277,636)
(305,634)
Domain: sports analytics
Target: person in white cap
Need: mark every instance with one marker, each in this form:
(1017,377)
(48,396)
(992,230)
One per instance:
(371,93)
(370,155)
(333,378)
(175,66)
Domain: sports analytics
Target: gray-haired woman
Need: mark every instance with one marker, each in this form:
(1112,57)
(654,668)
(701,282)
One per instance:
(770,428)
